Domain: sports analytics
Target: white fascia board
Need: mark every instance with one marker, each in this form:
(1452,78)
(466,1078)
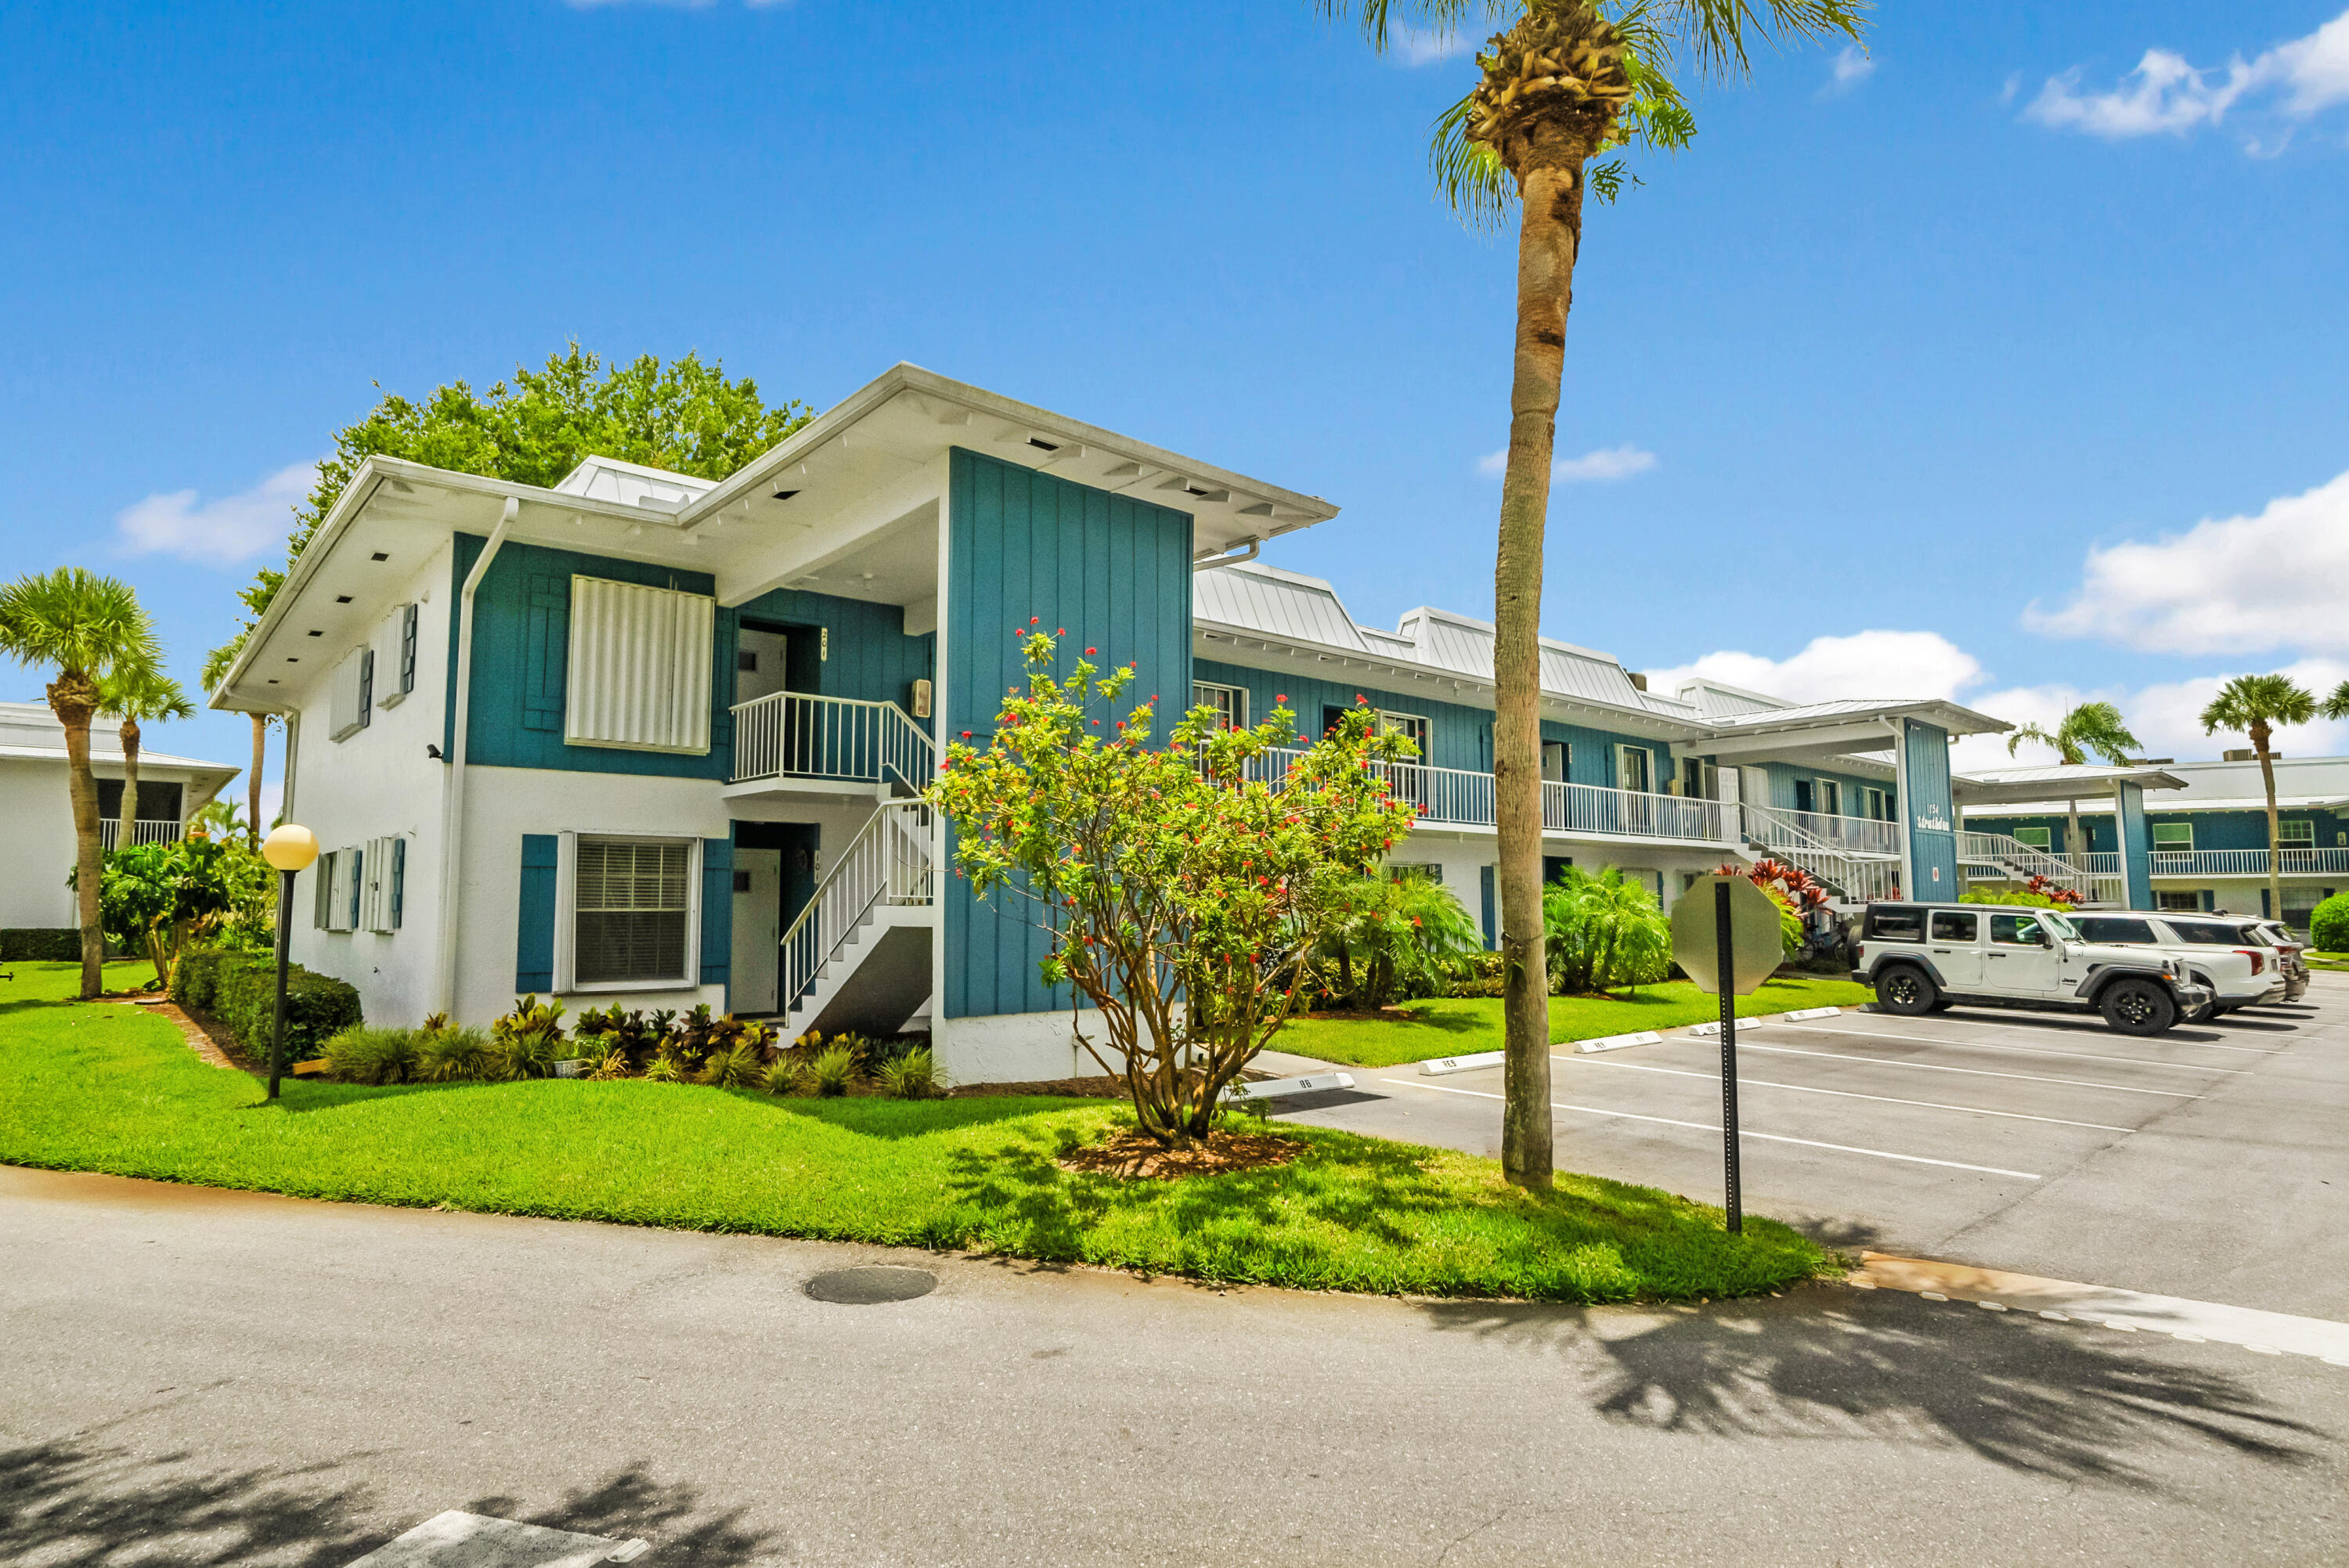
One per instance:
(372,476)
(844,415)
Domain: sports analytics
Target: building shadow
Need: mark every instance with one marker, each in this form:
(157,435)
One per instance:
(2064,1401)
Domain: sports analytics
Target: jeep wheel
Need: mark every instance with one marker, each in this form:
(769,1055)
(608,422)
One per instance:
(1907,990)
(2138,1007)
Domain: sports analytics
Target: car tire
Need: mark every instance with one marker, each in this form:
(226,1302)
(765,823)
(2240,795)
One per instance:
(1907,990)
(2137,1008)
(1943,1004)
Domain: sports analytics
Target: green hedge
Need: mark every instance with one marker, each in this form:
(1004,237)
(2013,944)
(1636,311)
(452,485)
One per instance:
(40,945)
(240,989)
(2328,928)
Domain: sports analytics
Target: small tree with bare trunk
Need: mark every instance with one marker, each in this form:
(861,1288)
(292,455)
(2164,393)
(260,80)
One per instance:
(1184,890)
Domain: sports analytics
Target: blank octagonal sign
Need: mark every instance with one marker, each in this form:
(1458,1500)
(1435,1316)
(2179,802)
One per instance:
(1757,949)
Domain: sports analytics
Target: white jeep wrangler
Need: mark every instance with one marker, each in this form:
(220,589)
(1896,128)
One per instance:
(1925,957)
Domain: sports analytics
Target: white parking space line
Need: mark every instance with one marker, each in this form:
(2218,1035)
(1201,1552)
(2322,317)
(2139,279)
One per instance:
(1969,1072)
(1715,1128)
(2013,1050)
(1850,1094)
(2026,1029)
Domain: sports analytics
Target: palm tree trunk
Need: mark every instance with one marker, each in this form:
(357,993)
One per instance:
(72,697)
(1548,237)
(125,834)
(2260,735)
(253,782)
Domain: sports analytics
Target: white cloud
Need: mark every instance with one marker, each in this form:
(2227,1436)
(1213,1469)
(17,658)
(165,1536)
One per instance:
(1876,664)
(2165,93)
(1851,67)
(1420,47)
(2230,586)
(222,531)
(1607,463)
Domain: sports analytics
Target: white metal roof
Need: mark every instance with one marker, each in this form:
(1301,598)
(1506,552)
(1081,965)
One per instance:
(1260,598)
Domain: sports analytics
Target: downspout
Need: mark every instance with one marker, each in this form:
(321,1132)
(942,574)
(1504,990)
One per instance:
(1255,549)
(1900,729)
(452,790)
(293,718)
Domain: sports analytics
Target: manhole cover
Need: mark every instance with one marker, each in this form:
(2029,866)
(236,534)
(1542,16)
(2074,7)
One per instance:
(872,1286)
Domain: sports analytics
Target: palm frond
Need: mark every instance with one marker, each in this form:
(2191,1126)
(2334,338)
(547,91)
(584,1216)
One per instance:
(1715,32)
(1469,174)
(76,622)
(1442,19)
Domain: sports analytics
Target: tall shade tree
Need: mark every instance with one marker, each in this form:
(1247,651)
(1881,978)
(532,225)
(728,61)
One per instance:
(217,663)
(128,696)
(2094,727)
(86,628)
(1564,83)
(2252,706)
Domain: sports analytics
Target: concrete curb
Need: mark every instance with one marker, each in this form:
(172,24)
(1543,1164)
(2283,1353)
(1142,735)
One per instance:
(1796,1016)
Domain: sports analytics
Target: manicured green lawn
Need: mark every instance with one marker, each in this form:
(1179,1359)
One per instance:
(1461,1026)
(106,1087)
(2326,960)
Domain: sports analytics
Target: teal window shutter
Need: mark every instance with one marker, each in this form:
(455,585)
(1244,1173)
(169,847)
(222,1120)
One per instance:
(407,648)
(359,875)
(398,879)
(535,933)
(716,911)
(546,649)
(1492,936)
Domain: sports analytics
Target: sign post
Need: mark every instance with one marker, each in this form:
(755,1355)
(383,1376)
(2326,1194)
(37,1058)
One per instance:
(1726,937)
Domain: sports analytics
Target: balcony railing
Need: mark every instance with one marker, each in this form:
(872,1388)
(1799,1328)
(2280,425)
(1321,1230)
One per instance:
(1844,835)
(2307,862)
(1454,796)
(794,735)
(142,831)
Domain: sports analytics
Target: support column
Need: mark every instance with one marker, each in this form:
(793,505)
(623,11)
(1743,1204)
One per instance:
(2136,840)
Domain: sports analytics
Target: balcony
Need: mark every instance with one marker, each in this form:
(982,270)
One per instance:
(1454,798)
(793,735)
(142,831)
(2310,862)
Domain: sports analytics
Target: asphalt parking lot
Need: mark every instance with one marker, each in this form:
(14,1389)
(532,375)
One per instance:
(2211,1163)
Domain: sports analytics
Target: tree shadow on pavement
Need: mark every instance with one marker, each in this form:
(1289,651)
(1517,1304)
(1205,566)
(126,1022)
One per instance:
(72,1505)
(68,1505)
(2069,1402)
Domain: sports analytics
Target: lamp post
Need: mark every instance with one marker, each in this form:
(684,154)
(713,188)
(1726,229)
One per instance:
(289,848)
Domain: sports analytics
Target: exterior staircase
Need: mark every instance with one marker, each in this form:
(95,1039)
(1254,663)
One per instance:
(1857,859)
(858,957)
(1997,857)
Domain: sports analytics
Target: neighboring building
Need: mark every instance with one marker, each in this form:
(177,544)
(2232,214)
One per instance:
(2206,844)
(38,810)
(691,718)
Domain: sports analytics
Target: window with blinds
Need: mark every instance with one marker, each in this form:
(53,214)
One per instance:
(638,669)
(632,904)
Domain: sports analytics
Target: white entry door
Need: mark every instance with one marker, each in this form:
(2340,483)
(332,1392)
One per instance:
(758,930)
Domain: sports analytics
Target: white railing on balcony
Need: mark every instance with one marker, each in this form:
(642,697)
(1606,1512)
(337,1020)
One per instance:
(794,735)
(142,831)
(2099,862)
(2306,863)
(1454,797)
(888,863)
(1844,835)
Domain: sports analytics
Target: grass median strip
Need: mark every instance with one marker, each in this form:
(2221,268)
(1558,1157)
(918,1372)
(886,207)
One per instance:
(1465,1026)
(109,1088)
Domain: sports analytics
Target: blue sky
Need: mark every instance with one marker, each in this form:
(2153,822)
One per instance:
(1906,352)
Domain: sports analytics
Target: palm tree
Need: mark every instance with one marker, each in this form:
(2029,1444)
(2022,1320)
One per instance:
(2253,704)
(133,693)
(2094,727)
(2337,705)
(86,627)
(217,663)
(1563,83)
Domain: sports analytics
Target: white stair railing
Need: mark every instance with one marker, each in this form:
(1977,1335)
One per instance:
(1862,877)
(888,863)
(790,734)
(145,830)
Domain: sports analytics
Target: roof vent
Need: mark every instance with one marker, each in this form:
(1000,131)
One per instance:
(2248,756)
(1041,445)
(785,495)
(1638,681)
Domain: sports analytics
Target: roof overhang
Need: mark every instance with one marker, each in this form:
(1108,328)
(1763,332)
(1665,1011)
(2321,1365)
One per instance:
(2034,785)
(1826,731)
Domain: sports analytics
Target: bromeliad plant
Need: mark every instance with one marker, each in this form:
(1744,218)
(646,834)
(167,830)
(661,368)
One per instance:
(1179,895)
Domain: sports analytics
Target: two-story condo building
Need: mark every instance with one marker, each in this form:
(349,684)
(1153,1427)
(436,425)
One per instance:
(645,739)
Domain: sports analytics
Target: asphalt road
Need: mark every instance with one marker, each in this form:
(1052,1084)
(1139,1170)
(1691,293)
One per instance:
(194,1376)
(2210,1163)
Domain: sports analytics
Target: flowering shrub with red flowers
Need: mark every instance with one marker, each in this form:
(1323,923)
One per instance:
(1182,891)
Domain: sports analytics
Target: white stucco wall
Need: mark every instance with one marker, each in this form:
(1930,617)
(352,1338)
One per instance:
(36,832)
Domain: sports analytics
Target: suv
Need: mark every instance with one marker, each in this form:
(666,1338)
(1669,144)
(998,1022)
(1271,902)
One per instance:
(2291,951)
(2226,953)
(1924,957)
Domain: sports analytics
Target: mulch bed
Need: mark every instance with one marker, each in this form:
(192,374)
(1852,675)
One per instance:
(1134,1154)
(1101,1087)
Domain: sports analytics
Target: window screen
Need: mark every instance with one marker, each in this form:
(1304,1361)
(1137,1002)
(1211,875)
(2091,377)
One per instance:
(2173,835)
(631,903)
(1952,925)
(2301,834)
(2112,928)
(2037,837)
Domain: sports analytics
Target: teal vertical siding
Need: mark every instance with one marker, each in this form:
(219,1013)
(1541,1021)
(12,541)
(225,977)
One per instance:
(1932,815)
(870,657)
(2136,846)
(1783,776)
(535,928)
(1490,910)
(1115,571)
(716,911)
(521,630)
